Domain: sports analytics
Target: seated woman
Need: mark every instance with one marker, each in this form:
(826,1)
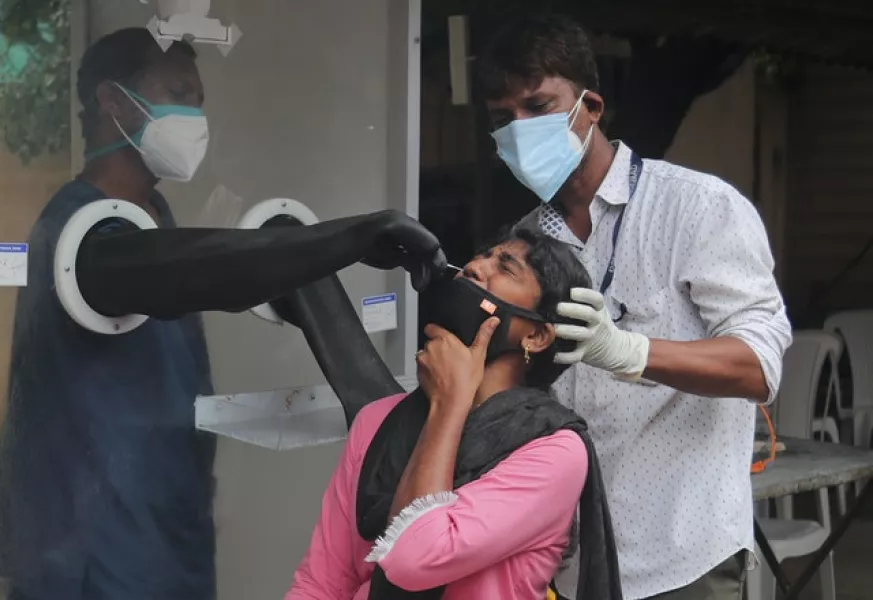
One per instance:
(467,488)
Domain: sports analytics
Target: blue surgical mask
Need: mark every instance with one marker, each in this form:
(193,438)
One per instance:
(542,152)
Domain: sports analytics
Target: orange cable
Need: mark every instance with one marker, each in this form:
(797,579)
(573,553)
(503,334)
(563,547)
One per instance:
(760,465)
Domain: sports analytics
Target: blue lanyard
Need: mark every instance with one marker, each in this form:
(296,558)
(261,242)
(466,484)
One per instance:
(633,178)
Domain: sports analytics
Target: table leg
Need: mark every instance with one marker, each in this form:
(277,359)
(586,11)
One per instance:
(819,556)
(772,561)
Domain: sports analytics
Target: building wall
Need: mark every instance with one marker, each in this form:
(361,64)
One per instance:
(717,135)
(829,209)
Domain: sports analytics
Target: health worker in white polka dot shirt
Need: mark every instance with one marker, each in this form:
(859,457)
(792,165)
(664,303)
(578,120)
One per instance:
(683,334)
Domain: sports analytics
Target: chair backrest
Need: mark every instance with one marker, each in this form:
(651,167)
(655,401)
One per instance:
(801,371)
(856,328)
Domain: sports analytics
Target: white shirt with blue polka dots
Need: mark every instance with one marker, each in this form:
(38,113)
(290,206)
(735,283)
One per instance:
(692,262)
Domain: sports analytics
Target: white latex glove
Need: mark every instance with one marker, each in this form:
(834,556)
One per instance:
(599,342)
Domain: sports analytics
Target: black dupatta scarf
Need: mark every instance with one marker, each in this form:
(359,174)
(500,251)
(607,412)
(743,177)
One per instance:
(493,431)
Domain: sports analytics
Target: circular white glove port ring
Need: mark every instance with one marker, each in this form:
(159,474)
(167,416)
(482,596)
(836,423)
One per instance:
(67,251)
(262,212)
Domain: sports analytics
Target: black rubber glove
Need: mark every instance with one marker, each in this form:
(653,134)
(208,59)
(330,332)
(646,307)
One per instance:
(342,347)
(166,273)
(404,242)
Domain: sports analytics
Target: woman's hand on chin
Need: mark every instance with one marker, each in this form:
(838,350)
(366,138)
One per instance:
(449,372)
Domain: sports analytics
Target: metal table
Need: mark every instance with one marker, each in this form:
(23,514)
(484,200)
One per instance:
(806,466)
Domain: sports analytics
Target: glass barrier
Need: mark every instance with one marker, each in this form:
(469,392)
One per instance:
(128,463)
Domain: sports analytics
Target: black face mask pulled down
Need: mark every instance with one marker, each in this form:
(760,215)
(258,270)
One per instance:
(460,306)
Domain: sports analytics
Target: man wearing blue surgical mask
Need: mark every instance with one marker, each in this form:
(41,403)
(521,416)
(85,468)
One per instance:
(105,484)
(683,334)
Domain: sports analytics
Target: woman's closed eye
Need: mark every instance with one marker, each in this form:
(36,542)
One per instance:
(507,263)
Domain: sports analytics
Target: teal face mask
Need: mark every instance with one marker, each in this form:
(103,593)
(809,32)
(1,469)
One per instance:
(153,112)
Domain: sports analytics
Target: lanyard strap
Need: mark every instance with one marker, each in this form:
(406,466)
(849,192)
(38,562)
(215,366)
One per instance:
(633,178)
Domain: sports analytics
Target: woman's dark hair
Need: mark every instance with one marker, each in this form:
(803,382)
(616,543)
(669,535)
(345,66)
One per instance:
(123,56)
(525,51)
(557,271)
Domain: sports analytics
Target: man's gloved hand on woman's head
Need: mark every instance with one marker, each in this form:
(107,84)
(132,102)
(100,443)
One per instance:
(599,342)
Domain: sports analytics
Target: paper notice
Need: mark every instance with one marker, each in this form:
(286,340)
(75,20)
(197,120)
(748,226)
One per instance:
(13,265)
(379,313)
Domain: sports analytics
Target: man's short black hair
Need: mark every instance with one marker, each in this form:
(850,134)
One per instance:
(524,52)
(557,271)
(123,56)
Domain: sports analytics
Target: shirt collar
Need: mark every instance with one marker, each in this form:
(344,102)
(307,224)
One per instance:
(615,187)
(614,190)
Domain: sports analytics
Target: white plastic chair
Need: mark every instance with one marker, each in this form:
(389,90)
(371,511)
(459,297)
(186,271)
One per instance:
(793,416)
(790,538)
(856,329)
(827,424)
(794,409)
(802,367)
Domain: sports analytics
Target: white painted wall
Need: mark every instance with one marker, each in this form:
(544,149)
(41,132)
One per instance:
(312,104)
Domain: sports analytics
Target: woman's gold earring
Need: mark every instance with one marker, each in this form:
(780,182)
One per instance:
(526,355)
